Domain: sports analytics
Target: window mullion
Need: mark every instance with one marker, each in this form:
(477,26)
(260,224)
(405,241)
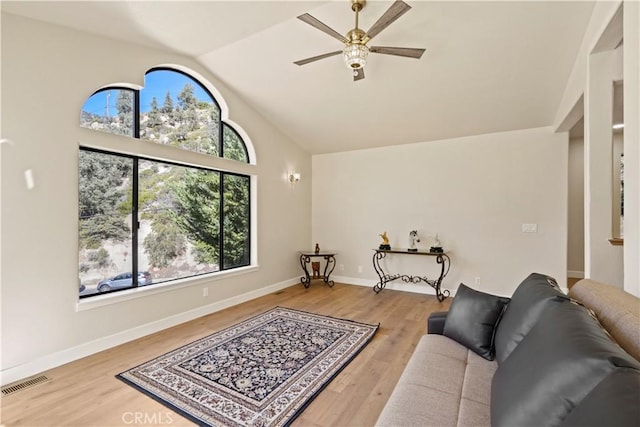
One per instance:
(135,224)
(220,136)
(221,221)
(136,114)
(135,220)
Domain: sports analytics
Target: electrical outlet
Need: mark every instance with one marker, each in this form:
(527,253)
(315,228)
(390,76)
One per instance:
(341,267)
(529,228)
(477,280)
(205,292)
(359,269)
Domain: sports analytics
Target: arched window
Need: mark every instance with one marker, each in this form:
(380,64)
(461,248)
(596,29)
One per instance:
(110,110)
(146,220)
(173,109)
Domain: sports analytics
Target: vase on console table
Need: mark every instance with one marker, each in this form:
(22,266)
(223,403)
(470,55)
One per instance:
(437,246)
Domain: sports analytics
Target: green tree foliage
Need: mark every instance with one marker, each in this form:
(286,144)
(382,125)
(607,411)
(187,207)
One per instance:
(124,107)
(186,99)
(197,212)
(154,121)
(100,257)
(189,108)
(189,123)
(167,107)
(236,221)
(104,181)
(165,242)
(121,123)
(233,145)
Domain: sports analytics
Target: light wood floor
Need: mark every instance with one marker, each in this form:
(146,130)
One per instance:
(86,393)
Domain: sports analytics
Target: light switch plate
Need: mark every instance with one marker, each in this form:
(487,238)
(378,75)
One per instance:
(529,228)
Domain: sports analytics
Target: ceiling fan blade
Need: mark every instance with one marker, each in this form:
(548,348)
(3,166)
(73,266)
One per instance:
(358,74)
(409,52)
(395,11)
(317,58)
(322,27)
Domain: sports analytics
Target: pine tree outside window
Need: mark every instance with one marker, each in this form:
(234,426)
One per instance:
(145,221)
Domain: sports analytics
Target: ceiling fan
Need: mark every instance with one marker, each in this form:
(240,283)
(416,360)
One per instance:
(356,51)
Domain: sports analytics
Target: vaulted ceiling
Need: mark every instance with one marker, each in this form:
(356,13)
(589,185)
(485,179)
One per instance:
(488,66)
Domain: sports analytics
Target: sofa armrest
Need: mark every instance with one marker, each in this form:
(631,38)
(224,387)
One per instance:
(435,323)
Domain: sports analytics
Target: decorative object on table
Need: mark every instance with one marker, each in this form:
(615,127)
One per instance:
(437,246)
(385,242)
(413,239)
(315,267)
(330,265)
(317,250)
(262,371)
(441,258)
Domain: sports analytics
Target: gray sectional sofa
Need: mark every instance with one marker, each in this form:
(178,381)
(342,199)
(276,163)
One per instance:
(541,358)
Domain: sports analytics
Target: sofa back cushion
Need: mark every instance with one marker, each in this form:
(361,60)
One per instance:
(528,302)
(561,360)
(614,402)
(617,310)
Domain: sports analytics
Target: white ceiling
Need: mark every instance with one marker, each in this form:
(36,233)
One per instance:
(488,66)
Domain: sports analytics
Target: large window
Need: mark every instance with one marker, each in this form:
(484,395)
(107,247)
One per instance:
(145,221)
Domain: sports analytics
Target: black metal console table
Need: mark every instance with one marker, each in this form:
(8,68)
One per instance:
(305,259)
(441,258)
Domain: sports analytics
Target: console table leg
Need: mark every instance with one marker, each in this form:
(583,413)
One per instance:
(330,261)
(377,256)
(306,279)
(442,259)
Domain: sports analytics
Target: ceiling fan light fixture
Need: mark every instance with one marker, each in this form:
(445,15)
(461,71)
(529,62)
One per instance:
(355,56)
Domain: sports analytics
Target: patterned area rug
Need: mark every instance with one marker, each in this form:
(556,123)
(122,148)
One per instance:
(261,372)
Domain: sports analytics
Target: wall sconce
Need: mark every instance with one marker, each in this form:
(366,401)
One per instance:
(294,177)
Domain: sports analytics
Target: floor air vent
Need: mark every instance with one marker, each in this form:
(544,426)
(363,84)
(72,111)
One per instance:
(29,382)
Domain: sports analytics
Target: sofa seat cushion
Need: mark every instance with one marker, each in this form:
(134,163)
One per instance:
(444,384)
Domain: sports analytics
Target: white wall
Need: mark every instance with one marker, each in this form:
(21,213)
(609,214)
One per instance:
(603,261)
(631,70)
(475,192)
(47,74)
(575,244)
(603,15)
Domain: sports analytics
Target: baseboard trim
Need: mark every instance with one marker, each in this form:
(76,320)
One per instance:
(575,274)
(53,360)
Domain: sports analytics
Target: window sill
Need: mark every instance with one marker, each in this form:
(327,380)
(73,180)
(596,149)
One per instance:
(145,291)
(616,241)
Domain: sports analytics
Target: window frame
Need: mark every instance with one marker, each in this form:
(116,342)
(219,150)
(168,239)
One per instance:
(136,153)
